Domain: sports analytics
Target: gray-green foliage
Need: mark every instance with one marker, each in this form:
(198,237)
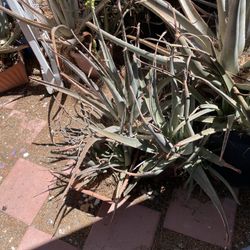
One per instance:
(161,112)
(65,12)
(159,116)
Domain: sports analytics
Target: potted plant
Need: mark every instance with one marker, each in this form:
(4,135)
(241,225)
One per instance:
(13,72)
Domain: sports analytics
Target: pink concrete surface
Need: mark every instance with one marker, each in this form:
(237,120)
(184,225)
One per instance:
(23,191)
(36,239)
(199,220)
(31,127)
(129,228)
(8,102)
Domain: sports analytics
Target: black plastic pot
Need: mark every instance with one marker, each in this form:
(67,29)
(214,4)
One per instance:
(237,153)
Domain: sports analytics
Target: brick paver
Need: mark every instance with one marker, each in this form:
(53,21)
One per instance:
(30,127)
(129,229)
(22,192)
(36,239)
(199,220)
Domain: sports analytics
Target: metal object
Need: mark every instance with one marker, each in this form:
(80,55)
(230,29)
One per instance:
(50,72)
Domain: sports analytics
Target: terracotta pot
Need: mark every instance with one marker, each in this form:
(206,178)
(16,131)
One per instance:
(13,77)
(84,65)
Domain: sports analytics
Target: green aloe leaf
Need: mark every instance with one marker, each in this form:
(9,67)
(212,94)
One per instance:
(195,18)
(193,117)
(173,18)
(127,141)
(202,134)
(235,36)
(225,182)
(215,159)
(153,101)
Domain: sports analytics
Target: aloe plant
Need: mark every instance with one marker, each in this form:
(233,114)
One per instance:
(220,55)
(155,117)
(161,112)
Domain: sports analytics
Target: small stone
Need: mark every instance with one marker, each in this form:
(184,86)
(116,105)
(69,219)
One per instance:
(50,221)
(13,248)
(51,197)
(11,238)
(61,231)
(1,178)
(25,155)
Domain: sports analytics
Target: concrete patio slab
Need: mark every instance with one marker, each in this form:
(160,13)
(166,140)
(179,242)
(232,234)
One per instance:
(199,220)
(23,191)
(129,228)
(36,239)
(9,101)
(29,127)
(11,231)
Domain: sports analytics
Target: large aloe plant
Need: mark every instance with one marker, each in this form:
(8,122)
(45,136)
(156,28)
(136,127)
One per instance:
(153,118)
(160,113)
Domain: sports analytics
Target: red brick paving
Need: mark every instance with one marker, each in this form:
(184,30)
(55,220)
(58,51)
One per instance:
(36,239)
(131,228)
(199,220)
(22,191)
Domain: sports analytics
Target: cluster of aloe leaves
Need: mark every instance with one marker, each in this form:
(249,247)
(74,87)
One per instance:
(170,98)
(168,102)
